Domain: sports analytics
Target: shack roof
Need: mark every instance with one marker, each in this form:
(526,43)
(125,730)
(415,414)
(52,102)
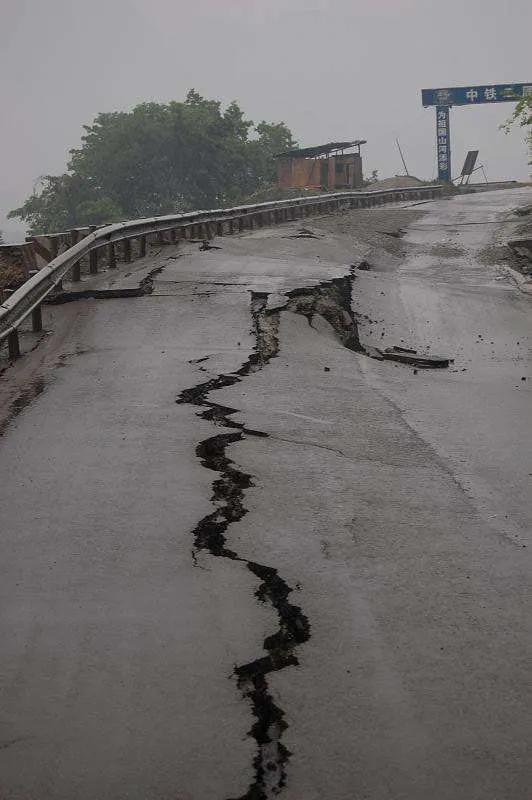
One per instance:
(319,150)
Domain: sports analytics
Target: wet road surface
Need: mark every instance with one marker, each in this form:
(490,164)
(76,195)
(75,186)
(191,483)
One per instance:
(394,509)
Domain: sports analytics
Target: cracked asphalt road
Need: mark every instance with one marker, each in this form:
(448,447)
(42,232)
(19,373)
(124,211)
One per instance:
(396,507)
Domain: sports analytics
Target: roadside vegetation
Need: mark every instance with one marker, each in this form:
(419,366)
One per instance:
(522,116)
(158,159)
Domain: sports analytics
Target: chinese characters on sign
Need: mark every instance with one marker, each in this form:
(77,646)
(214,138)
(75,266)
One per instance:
(443,99)
(472,95)
(491,94)
(443,144)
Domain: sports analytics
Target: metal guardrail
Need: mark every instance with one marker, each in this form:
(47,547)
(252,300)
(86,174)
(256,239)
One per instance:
(27,300)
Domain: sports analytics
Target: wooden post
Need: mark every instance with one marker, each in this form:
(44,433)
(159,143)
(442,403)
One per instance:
(127,251)
(93,262)
(13,345)
(36,319)
(111,255)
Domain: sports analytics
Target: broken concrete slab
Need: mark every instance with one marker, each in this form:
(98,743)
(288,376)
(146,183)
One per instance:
(405,356)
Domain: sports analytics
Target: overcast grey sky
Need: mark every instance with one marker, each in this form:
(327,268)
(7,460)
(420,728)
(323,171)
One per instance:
(330,70)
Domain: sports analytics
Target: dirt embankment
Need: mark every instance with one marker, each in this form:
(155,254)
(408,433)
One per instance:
(11,276)
(398,182)
(514,227)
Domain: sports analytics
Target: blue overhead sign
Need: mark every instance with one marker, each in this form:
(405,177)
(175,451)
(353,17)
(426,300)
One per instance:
(443,144)
(472,95)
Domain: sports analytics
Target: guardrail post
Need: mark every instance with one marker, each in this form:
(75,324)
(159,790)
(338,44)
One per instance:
(75,274)
(13,344)
(142,243)
(219,229)
(93,262)
(111,255)
(127,251)
(36,319)
(241,223)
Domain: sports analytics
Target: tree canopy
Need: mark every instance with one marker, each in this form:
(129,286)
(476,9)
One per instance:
(522,116)
(158,159)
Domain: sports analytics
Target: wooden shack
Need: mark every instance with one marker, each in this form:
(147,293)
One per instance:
(326,166)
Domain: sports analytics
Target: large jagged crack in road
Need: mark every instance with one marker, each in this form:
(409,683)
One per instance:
(331,300)
(389,500)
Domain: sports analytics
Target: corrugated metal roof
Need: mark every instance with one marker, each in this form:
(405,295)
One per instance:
(321,149)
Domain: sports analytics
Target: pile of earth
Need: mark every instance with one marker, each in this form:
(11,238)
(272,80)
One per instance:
(269,194)
(274,192)
(11,275)
(397,182)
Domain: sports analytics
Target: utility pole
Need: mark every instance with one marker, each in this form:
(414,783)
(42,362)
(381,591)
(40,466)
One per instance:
(402,157)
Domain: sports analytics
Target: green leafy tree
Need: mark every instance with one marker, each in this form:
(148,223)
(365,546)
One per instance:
(522,116)
(63,202)
(157,159)
(271,139)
